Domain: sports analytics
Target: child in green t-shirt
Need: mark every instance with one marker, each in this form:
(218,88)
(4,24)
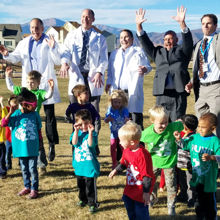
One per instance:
(204,150)
(161,144)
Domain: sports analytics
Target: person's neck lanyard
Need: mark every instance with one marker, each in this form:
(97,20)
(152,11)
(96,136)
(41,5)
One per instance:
(203,52)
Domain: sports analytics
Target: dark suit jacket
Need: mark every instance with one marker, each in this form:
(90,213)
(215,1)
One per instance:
(216,49)
(175,62)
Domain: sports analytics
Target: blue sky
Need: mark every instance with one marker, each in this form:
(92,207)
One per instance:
(116,13)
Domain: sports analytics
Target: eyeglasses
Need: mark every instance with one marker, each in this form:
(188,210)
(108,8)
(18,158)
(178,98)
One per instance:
(29,104)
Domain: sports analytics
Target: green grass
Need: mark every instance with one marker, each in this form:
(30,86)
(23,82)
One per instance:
(58,191)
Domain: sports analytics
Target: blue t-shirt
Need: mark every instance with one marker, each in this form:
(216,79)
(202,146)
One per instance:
(25,133)
(119,119)
(84,161)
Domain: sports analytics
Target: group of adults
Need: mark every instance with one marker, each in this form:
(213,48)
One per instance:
(84,58)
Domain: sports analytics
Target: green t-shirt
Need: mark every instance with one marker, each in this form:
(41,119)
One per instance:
(40,94)
(203,172)
(162,147)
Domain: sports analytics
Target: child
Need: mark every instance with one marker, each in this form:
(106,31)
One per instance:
(203,147)
(140,177)
(3,113)
(84,139)
(33,82)
(81,92)
(161,144)
(12,101)
(26,126)
(184,174)
(117,115)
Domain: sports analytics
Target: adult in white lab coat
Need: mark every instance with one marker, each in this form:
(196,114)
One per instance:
(126,70)
(93,70)
(39,52)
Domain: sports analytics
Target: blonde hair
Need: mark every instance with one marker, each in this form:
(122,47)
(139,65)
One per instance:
(157,112)
(130,131)
(119,94)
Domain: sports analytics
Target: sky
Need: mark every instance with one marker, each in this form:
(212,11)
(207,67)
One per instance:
(115,13)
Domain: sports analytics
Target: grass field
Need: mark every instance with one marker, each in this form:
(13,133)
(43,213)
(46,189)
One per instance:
(58,191)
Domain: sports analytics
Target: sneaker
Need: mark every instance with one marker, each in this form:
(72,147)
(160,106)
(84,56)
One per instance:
(51,155)
(24,191)
(153,200)
(190,203)
(92,209)
(33,194)
(42,171)
(171,211)
(81,203)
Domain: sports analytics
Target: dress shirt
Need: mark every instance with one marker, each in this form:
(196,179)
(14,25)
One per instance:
(213,73)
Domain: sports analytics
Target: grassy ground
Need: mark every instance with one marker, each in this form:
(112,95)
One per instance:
(58,192)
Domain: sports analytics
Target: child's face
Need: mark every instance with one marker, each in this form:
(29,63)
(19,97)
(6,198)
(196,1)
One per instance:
(28,106)
(14,104)
(83,124)
(32,84)
(205,128)
(83,97)
(116,103)
(160,124)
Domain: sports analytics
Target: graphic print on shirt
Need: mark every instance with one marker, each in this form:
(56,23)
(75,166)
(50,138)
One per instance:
(26,130)
(82,153)
(118,123)
(164,148)
(133,175)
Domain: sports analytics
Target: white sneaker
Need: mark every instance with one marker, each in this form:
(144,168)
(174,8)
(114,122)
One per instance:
(171,211)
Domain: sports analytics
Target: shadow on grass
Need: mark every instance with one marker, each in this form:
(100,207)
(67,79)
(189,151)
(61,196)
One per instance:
(177,217)
(111,187)
(14,175)
(60,173)
(56,191)
(64,156)
(114,205)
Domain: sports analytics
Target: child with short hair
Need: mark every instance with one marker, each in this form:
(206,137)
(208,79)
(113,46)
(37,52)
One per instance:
(140,178)
(33,82)
(3,113)
(184,171)
(161,144)
(117,115)
(26,132)
(84,140)
(12,101)
(204,147)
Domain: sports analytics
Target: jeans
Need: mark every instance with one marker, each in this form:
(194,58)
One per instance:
(8,154)
(29,170)
(136,210)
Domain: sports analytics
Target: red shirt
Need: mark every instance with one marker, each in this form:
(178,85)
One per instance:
(139,164)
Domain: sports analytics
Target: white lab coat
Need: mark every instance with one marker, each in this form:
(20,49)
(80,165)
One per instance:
(98,58)
(49,57)
(134,58)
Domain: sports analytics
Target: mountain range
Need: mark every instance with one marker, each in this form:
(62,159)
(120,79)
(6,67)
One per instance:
(156,37)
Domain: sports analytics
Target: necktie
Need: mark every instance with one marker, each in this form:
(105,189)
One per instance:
(84,49)
(201,58)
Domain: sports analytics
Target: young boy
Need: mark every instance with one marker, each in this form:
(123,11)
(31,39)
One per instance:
(203,147)
(87,169)
(81,92)
(33,82)
(140,177)
(184,171)
(161,144)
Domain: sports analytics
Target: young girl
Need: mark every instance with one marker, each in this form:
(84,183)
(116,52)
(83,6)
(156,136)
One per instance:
(26,124)
(117,115)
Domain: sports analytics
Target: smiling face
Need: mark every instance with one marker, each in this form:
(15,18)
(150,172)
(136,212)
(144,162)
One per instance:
(205,128)
(87,18)
(160,124)
(116,103)
(126,40)
(36,29)
(169,41)
(83,124)
(208,27)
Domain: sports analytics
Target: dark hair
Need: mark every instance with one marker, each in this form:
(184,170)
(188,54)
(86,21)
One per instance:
(35,75)
(26,95)
(128,31)
(37,19)
(212,16)
(79,89)
(191,121)
(83,114)
(212,118)
(173,33)
(11,98)
(90,11)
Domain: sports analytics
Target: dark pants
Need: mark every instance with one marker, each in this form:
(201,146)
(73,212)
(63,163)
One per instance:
(174,103)
(42,159)
(205,206)
(51,125)
(137,118)
(87,190)
(2,159)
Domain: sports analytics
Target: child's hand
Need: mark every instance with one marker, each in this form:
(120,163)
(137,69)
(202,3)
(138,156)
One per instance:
(146,198)
(8,71)
(207,157)
(12,109)
(176,134)
(109,119)
(51,83)
(77,126)
(91,128)
(112,174)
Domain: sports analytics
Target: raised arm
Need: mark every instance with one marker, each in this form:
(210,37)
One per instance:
(180,17)
(140,19)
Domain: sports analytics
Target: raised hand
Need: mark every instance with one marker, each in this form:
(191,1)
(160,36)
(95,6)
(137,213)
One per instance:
(51,41)
(3,50)
(177,136)
(180,16)
(77,126)
(8,71)
(140,16)
(51,83)
(90,128)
